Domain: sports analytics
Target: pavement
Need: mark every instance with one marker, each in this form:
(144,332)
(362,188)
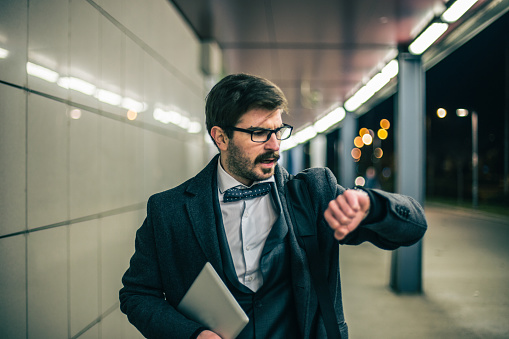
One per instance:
(465,282)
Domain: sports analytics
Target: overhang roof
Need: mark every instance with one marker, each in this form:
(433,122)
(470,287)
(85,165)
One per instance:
(321,51)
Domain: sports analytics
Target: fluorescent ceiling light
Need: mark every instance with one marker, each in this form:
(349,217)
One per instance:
(208,139)
(184,123)
(374,85)
(457,9)
(428,37)
(329,120)
(108,97)
(391,69)
(77,85)
(173,117)
(194,127)
(133,105)
(304,135)
(288,144)
(42,72)
(3,53)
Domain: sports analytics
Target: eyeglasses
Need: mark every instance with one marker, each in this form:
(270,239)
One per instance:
(264,134)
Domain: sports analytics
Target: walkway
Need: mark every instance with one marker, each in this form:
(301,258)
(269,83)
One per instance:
(465,280)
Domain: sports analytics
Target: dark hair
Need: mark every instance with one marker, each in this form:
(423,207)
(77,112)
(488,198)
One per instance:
(236,94)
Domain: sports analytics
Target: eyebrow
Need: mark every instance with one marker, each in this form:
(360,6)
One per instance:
(252,128)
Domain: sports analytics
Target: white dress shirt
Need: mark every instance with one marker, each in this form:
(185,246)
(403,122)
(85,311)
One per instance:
(247,224)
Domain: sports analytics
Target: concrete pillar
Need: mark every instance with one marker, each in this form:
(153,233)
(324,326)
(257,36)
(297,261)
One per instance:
(318,151)
(406,268)
(346,164)
(295,161)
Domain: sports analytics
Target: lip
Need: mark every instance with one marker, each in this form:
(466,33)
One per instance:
(268,163)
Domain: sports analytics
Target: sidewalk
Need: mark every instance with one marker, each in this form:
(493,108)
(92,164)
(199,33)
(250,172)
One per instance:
(465,282)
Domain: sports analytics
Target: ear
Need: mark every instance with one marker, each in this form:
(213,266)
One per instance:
(220,138)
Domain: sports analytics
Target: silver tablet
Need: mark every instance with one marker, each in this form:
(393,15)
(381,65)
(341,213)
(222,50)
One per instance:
(209,302)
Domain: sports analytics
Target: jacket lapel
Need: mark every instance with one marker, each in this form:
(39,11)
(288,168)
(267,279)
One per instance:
(200,210)
(301,279)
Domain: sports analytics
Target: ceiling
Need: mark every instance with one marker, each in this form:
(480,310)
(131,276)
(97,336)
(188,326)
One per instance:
(319,52)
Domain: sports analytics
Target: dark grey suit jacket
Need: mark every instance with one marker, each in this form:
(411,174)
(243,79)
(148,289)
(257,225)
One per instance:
(179,235)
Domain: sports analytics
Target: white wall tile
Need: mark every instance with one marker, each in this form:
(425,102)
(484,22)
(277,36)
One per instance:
(84,168)
(113,162)
(47,183)
(59,280)
(47,283)
(92,333)
(133,182)
(84,274)
(112,7)
(133,74)
(13,38)
(84,49)
(112,60)
(117,247)
(137,18)
(115,325)
(155,151)
(13,159)
(13,287)
(48,42)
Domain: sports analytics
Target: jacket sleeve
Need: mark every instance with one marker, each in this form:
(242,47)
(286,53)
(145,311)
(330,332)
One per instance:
(142,298)
(395,220)
(399,221)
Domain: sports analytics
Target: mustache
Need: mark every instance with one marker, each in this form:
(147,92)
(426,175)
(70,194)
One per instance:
(266,156)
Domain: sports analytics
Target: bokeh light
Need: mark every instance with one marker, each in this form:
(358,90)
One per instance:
(382,134)
(356,153)
(131,115)
(461,112)
(363,131)
(386,172)
(367,139)
(358,142)
(75,114)
(360,181)
(385,124)
(378,152)
(441,113)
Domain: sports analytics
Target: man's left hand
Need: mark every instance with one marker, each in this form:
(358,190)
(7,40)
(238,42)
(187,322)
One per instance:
(346,212)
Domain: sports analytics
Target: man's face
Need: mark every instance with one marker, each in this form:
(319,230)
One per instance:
(249,161)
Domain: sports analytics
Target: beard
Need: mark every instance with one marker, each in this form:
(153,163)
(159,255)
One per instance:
(240,165)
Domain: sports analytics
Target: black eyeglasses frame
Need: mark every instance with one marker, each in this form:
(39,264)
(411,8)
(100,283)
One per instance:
(258,129)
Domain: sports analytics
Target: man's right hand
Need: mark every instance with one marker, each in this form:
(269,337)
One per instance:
(208,335)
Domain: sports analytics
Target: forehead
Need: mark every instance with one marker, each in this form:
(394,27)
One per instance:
(259,117)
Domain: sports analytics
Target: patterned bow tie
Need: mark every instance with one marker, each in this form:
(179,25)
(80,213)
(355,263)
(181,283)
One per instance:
(236,194)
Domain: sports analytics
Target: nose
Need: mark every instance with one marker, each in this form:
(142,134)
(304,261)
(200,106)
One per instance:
(272,144)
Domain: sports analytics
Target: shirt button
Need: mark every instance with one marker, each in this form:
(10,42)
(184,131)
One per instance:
(248,248)
(250,278)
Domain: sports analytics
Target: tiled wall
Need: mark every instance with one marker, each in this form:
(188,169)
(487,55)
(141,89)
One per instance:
(75,170)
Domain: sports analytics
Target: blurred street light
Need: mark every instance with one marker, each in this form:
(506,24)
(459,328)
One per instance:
(461,112)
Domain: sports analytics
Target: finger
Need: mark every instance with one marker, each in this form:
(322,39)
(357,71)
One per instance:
(364,201)
(331,219)
(341,232)
(352,198)
(345,205)
(335,207)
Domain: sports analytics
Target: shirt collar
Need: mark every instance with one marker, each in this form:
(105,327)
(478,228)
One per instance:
(225,181)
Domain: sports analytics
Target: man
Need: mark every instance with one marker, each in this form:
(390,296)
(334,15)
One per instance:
(252,243)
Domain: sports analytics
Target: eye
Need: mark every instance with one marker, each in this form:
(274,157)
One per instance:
(260,132)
